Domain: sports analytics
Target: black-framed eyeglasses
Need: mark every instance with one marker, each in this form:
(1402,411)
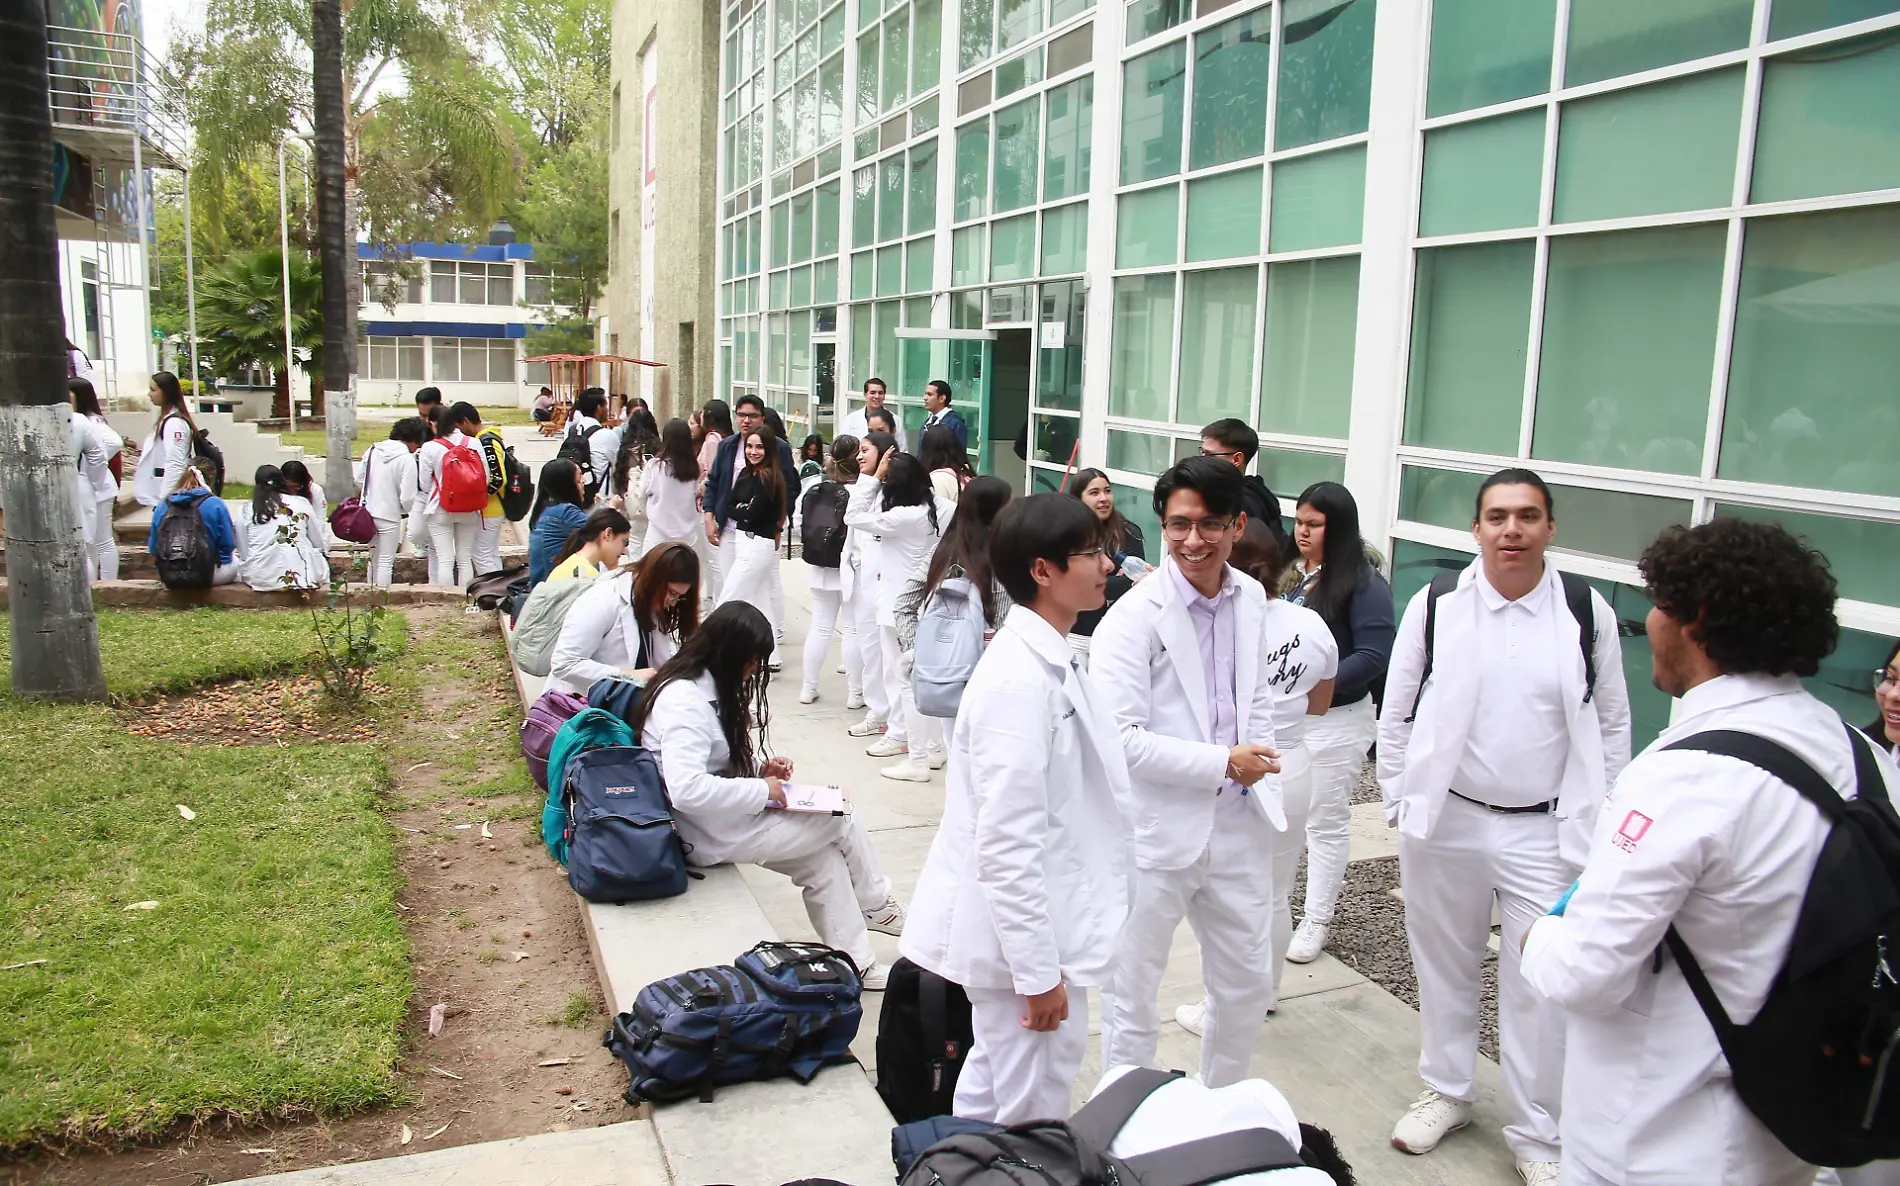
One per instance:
(1206,452)
(1884,678)
(1211,529)
(1086,554)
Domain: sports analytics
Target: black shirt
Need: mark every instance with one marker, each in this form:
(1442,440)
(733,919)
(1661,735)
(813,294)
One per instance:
(755,507)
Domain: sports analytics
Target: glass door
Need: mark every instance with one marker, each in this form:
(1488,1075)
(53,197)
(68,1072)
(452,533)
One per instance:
(961,358)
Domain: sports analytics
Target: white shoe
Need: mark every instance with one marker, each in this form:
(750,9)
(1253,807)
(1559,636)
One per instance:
(807,695)
(870,726)
(884,747)
(937,757)
(854,700)
(1429,1121)
(1309,939)
(875,978)
(840,669)
(887,919)
(1540,1173)
(1192,1018)
(907,771)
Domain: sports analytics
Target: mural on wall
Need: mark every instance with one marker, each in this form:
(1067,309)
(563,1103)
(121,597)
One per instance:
(93,69)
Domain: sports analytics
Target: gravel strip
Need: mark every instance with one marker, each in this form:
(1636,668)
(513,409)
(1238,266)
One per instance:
(1366,789)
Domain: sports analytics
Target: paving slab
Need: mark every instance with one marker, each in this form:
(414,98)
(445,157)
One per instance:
(1368,834)
(625,1154)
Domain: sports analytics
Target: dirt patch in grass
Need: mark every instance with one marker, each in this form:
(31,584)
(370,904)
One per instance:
(289,710)
(496,939)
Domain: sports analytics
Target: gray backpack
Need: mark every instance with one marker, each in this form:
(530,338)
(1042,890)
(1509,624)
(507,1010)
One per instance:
(950,629)
(539,626)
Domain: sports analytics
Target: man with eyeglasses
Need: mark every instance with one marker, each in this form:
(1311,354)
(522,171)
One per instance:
(1184,664)
(1235,443)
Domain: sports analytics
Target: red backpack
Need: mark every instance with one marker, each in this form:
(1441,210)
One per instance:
(464,482)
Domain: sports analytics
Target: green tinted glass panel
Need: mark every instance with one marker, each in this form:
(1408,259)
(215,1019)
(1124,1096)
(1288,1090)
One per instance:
(863,275)
(860,346)
(1232,63)
(920,257)
(973,37)
(1059,360)
(1146,223)
(1153,89)
(801,227)
(1629,346)
(780,292)
(831,32)
(1013,248)
(1471,328)
(973,170)
(886,340)
(831,100)
(824,281)
(1017,131)
(1319,200)
(825,227)
(1224,215)
(1609,38)
(1790,18)
(1217,339)
(1483,176)
(923,187)
(968,256)
(926,46)
(1141,351)
(1811,397)
(1666,146)
(1065,232)
(1065,168)
(1019,72)
(890,198)
(1017,21)
(867,77)
(1136,503)
(1488,51)
(1289,471)
(781,234)
(1828,122)
(1325,71)
(801,286)
(1864,555)
(1148,17)
(896,59)
(1589,520)
(1139,452)
(1306,374)
(864,207)
(890,270)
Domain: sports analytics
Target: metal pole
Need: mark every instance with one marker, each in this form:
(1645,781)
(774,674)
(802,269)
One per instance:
(191,294)
(139,211)
(283,223)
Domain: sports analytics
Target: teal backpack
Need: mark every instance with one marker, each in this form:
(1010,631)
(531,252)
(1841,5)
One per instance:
(591,728)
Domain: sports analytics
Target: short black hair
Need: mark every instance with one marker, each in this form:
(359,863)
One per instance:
(884,414)
(590,401)
(1514,476)
(1046,526)
(1237,435)
(462,412)
(428,395)
(942,385)
(1220,485)
(878,381)
(749,398)
(1759,598)
(410,429)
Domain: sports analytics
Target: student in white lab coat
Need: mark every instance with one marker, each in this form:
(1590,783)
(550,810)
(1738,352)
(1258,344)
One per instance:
(1184,663)
(1024,892)
(1714,846)
(628,623)
(856,422)
(705,715)
(863,656)
(95,444)
(1494,790)
(166,453)
(386,476)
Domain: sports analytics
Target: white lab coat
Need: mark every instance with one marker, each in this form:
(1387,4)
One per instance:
(386,476)
(93,446)
(600,637)
(163,459)
(671,505)
(1724,852)
(283,553)
(1185,1110)
(1026,883)
(855,424)
(1418,760)
(905,539)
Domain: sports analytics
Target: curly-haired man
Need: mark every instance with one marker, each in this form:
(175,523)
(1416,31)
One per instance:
(1709,843)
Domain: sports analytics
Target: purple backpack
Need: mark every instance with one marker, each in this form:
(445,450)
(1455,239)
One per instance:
(545,718)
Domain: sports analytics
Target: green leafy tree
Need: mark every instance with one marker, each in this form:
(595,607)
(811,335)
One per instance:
(559,57)
(241,317)
(564,214)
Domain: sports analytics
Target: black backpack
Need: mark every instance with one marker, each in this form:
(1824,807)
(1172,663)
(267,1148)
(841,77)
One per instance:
(1576,596)
(1814,1065)
(184,557)
(1075,1152)
(209,459)
(517,488)
(574,448)
(821,528)
(923,1035)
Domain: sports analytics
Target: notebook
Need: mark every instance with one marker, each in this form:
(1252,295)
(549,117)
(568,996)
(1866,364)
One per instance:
(816,798)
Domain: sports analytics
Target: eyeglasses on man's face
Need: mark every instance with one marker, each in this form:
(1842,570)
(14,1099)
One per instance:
(1207,452)
(1212,529)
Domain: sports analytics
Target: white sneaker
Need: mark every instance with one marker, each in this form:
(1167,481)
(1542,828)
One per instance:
(875,978)
(887,919)
(840,669)
(907,771)
(807,695)
(1309,939)
(884,747)
(937,756)
(854,700)
(1429,1121)
(1539,1173)
(870,726)
(1192,1018)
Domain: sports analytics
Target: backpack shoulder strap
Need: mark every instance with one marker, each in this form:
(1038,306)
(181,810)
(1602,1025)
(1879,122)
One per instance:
(1442,583)
(1584,610)
(1215,1159)
(1102,1117)
(1869,785)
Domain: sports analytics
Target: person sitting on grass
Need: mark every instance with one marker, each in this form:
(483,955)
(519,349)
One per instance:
(283,553)
(217,520)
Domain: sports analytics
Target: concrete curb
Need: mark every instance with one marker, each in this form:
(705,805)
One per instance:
(152,595)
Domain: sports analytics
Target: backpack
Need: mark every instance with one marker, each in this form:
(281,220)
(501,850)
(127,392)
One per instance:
(1576,596)
(463,485)
(517,487)
(574,448)
(821,529)
(538,627)
(550,710)
(779,1009)
(209,459)
(351,520)
(950,629)
(488,590)
(585,730)
(1813,1065)
(1075,1152)
(911,1141)
(494,459)
(923,1035)
(185,557)
(622,845)
(618,696)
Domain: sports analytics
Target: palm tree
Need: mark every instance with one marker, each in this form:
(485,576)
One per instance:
(55,637)
(334,243)
(241,317)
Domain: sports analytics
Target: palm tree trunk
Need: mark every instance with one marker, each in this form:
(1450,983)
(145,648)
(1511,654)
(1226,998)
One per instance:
(334,245)
(55,637)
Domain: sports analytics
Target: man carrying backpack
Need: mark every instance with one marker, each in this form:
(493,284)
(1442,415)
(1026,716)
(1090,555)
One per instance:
(1710,847)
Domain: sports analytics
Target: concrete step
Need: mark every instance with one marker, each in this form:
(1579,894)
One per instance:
(350,561)
(625,1154)
(152,595)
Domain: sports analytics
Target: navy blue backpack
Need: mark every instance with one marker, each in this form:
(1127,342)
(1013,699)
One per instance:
(617,696)
(779,1009)
(621,842)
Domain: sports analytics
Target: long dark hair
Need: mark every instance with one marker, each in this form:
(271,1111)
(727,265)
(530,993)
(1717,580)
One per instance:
(267,493)
(940,449)
(296,478)
(714,417)
(676,450)
(843,466)
(1113,535)
(174,397)
(1257,553)
(1343,566)
(85,399)
(600,522)
(666,564)
(907,484)
(967,543)
(560,483)
(639,443)
(812,450)
(733,645)
(1878,730)
(770,476)
(881,443)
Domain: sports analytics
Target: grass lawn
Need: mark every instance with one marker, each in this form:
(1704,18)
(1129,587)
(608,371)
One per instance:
(272,975)
(368,432)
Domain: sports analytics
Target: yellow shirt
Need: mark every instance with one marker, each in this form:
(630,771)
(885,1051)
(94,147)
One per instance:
(575,567)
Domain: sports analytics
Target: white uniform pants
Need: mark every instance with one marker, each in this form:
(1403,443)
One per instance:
(1296,793)
(907,725)
(419,530)
(105,544)
(778,599)
(488,546)
(1338,742)
(452,536)
(825,604)
(1474,854)
(637,536)
(1227,897)
(863,611)
(382,562)
(1014,1074)
(749,578)
(830,857)
(719,563)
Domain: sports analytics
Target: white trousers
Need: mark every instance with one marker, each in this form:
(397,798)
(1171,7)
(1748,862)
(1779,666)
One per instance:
(382,562)
(1474,855)
(863,610)
(1338,742)
(419,530)
(226,574)
(778,598)
(1296,793)
(907,725)
(1226,895)
(829,857)
(452,536)
(488,546)
(825,604)
(105,544)
(636,536)
(719,562)
(1014,1074)
(749,577)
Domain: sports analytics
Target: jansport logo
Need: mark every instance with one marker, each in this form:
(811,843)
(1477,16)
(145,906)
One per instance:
(621,790)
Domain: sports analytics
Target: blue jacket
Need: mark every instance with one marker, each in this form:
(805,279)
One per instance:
(954,422)
(216,516)
(557,522)
(719,481)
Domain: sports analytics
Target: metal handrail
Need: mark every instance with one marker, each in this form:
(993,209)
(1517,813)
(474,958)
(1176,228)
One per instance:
(110,82)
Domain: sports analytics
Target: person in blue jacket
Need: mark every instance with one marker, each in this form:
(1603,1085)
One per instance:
(560,506)
(217,521)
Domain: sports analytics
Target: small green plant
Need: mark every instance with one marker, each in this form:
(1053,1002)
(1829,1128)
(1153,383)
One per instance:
(488,955)
(578,1010)
(346,638)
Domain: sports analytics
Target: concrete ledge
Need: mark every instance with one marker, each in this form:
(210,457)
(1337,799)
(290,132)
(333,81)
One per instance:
(626,1154)
(348,560)
(152,595)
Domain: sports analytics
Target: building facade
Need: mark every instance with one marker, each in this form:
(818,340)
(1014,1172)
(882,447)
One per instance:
(1652,250)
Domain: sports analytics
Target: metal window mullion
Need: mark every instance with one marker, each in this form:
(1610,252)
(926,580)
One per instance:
(1259,374)
(1732,263)
(1534,350)
(1174,366)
